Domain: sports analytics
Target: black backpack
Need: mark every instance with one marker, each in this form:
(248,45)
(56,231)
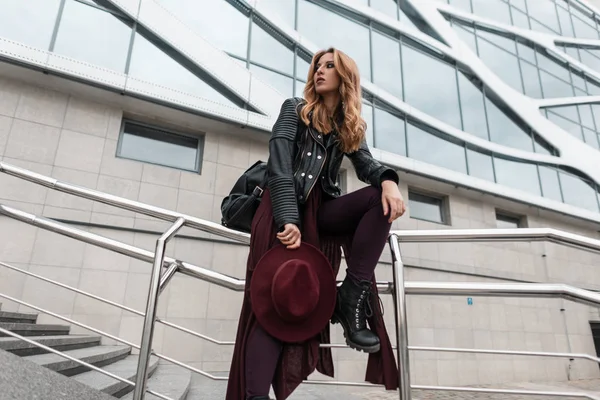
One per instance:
(238,209)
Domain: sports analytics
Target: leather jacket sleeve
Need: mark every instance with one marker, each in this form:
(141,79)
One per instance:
(368,169)
(280,166)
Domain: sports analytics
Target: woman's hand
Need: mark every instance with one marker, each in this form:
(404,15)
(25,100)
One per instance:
(291,236)
(392,200)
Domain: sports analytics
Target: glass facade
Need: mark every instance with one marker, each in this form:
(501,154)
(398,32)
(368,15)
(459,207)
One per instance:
(421,76)
(559,17)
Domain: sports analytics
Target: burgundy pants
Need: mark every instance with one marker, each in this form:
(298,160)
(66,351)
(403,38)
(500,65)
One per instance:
(359,212)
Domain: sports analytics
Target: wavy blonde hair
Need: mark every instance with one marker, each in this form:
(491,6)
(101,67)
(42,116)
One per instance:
(352,127)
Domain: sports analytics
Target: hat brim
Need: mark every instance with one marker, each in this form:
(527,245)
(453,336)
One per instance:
(262,304)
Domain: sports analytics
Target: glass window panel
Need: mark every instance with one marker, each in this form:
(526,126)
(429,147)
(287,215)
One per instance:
(573,52)
(578,81)
(538,26)
(151,64)
(326,29)
(302,68)
(158,147)
(592,86)
(367,114)
(207,17)
(565,22)
(386,64)
(29,21)
(569,126)
(94,36)
(426,147)
(596,112)
(526,52)
(462,4)
(473,108)
(585,114)
(388,7)
(299,88)
(480,165)
(550,64)
(569,112)
(583,30)
(540,146)
(505,131)
(517,175)
(494,9)
(519,4)
(545,12)
(499,40)
(425,207)
(507,222)
(520,19)
(589,59)
(531,80)
(466,34)
(550,184)
(577,192)
(425,76)
(267,50)
(591,138)
(554,87)
(390,132)
(281,83)
(502,63)
(286,9)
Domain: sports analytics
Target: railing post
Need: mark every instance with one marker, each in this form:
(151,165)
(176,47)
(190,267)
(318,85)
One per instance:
(401,320)
(141,377)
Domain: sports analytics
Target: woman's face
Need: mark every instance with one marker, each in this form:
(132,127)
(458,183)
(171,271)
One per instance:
(326,77)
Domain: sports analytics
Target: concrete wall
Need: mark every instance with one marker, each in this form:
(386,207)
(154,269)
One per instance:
(74,139)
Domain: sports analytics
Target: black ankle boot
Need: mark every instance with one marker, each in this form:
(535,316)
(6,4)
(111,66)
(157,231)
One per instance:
(352,309)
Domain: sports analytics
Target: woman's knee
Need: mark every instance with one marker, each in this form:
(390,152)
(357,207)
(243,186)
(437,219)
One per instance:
(372,196)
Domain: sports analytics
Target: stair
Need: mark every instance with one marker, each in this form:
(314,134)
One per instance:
(29,372)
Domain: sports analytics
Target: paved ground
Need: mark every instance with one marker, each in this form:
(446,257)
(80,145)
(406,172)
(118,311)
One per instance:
(215,390)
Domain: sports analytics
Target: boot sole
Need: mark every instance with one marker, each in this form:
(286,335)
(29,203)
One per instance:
(354,346)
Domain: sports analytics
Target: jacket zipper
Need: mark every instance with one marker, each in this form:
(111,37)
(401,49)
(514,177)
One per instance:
(320,169)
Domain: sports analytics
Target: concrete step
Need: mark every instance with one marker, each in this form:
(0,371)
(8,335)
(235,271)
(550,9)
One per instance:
(34,329)
(125,368)
(98,356)
(169,380)
(61,343)
(6,316)
(23,380)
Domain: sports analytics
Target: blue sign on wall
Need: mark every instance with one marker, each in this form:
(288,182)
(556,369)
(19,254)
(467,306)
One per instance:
(470,301)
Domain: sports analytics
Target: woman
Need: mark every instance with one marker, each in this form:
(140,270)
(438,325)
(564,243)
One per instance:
(303,204)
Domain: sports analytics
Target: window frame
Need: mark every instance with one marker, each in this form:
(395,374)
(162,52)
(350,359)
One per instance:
(443,205)
(164,131)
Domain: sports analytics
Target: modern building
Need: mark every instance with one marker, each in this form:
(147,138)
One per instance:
(489,110)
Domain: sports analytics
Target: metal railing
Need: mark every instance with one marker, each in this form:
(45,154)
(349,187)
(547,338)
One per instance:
(398,287)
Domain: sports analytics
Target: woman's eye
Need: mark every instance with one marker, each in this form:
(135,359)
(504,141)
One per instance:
(330,65)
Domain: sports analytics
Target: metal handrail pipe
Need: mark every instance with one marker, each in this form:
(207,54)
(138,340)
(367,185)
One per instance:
(538,290)
(186,268)
(441,235)
(141,377)
(124,203)
(498,235)
(166,277)
(85,364)
(73,289)
(70,321)
(505,352)
(506,391)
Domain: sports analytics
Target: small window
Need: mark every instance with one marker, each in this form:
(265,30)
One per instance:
(507,221)
(427,208)
(153,145)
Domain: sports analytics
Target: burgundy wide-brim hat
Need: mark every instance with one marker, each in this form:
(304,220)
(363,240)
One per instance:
(293,292)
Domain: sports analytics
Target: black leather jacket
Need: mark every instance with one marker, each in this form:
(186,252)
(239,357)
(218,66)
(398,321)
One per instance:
(299,160)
